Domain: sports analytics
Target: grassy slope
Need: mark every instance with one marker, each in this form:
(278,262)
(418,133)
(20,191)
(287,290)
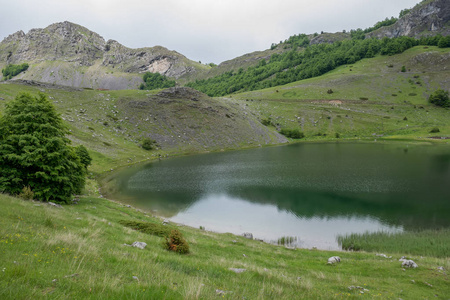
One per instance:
(42,246)
(112,123)
(392,96)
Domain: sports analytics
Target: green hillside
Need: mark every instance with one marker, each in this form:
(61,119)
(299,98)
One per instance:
(371,98)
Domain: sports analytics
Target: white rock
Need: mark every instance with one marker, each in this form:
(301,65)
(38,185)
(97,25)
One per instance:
(409,264)
(237,270)
(383,255)
(140,245)
(333,260)
(248,235)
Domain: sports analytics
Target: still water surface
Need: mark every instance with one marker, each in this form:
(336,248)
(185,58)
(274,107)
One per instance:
(313,192)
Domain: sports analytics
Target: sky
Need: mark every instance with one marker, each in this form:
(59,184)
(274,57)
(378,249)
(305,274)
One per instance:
(202,30)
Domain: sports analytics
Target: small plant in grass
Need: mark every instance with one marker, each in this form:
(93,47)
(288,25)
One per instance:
(403,69)
(147,227)
(330,91)
(337,135)
(363,98)
(292,133)
(405,119)
(176,242)
(27,193)
(266,122)
(434,130)
(49,223)
(148,144)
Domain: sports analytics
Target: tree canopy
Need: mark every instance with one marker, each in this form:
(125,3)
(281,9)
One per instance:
(35,153)
(12,70)
(154,81)
(440,98)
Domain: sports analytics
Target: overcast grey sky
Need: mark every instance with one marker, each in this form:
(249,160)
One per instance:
(202,30)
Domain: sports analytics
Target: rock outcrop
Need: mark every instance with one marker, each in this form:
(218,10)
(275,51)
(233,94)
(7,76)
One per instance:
(427,18)
(69,54)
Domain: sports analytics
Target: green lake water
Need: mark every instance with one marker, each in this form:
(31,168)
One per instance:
(312,192)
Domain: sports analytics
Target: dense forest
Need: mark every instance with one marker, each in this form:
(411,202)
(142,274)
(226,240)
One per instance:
(308,61)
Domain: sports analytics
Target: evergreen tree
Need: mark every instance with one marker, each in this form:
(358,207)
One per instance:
(35,153)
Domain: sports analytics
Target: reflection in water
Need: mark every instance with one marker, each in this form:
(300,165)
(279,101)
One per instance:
(312,191)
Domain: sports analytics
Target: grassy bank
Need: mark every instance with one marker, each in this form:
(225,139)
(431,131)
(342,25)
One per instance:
(78,252)
(427,242)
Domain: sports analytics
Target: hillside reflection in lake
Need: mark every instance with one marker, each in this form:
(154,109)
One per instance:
(310,191)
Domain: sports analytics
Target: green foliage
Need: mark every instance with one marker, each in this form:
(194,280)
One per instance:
(267,122)
(428,242)
(403,69)
(292,133)
(12,70)
(154,81)
(147,227)
(148,144)
(440,98)
(444,42)
(176,242)
(34,151)
(435,130)
(27,193)
(84,156)
(404,12)
(294,65)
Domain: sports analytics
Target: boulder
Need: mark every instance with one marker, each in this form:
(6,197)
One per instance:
(334,260)
(409,264)
(140,245)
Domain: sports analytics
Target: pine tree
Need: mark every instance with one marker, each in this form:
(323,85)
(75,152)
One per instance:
(35,153)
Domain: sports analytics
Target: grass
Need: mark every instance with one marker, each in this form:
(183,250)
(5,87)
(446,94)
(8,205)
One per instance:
(78,252)
(427,242)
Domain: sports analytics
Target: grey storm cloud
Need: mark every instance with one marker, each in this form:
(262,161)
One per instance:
(202,30)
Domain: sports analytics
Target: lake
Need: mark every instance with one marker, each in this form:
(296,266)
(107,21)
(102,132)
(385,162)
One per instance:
(310,191)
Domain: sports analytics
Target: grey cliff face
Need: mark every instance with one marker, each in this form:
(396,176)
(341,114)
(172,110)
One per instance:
(423,20)
(70,48)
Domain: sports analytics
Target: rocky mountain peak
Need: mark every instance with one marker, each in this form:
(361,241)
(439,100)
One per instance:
(425,19)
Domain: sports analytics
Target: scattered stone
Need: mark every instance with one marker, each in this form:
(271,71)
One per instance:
(409,264)
(334,260)
(244,255)
(299,278)
(70,276)
(54,280)
(237,270)
(413,281)
(403,258)
(109,223)
(165,222)
(220,292)
(383,255)
(140,245)
(234,241)
(362,289)
(78,218)
(135,277)
(54,204)
(440,269)
(129,206)
(430,285)
(248,235)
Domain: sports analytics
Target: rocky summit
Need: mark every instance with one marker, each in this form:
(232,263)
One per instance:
(69,54)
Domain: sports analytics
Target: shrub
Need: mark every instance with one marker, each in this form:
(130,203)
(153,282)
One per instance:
(330,91)
(35,152)
(266,122)
(405,119)
(148,143)
(403,69)
(176,242)
(440,98)
(434,130)
(156,81)
(292,133)
(12,70)
(337,135)
(84,156)
(27,193)
(147,227)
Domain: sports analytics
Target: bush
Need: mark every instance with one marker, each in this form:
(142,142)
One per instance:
(84,156)
(266,122)
(154,81)
(12,70)
(148,144)
(330,91)
(27,193)
(440,98)
(35,152)
(149,228)
(292,133)
(175,242)
(434,130)
(403,69)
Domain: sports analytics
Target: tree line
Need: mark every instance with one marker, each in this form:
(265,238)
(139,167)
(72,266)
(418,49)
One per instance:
(311,61)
